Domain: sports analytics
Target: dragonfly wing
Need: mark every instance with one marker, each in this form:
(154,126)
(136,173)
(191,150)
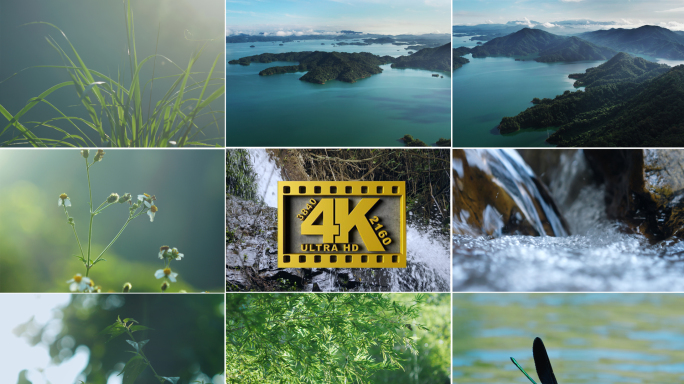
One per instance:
(542,363)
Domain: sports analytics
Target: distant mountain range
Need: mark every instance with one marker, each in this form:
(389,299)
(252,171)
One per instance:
(647,40)
(628,102)
(542,46)
(565,27)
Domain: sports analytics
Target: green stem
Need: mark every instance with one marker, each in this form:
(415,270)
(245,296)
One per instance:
(90,226)
(113,240)
(73,226)
(98,210)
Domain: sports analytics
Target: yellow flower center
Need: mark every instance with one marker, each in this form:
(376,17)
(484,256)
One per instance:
(167,271)
(146,195)
(154,208)
(78,278)
(92,283)
(175,252)
(63,196)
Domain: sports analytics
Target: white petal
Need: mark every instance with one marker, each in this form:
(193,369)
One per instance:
(59,201)
(161,254)
(172,277)
(141,197)
(73,287)
(71,281)
(67,202)
(159,273)
(151,215)
(180,256)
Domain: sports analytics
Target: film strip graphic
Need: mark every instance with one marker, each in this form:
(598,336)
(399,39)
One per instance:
(341,224)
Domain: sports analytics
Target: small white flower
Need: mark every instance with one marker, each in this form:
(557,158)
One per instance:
(63,200)
(175,254)
(152,210)
(79,283)
(166,272)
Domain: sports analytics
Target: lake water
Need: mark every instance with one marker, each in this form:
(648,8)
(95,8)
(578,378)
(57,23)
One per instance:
(488,89)
(282,111)
(590,338)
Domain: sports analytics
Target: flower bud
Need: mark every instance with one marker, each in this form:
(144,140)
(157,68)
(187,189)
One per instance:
(71,220)
(165,286)
(127,287)
(125,198)
(99,155)
(85,153)
(113,198)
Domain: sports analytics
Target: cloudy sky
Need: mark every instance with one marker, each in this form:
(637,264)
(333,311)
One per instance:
(286,17)
(626,13)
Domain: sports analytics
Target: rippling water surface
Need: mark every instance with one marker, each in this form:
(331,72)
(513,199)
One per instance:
(598,256)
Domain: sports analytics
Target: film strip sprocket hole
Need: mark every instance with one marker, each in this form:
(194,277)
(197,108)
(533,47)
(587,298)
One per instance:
(341,224)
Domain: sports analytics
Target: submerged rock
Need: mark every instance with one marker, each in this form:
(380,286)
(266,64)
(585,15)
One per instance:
(644,188)
(495,193)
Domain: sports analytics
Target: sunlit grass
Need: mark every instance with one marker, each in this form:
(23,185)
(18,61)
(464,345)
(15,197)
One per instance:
(122,115)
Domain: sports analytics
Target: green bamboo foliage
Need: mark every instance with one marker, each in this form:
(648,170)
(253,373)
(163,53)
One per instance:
(115,111)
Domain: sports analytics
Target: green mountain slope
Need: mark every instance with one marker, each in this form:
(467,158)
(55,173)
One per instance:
(628,102)
(622,67)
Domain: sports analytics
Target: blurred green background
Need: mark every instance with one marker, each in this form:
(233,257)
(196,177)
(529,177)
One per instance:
(186,339)
(97,29)
(590,337)
(431,364)
(37,244)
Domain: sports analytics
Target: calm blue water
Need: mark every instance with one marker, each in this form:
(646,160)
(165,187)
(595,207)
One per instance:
(283,111)
(486,90)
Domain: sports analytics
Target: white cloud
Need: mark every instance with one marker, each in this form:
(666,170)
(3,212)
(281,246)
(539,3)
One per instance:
(489,22)
(549,25)
(673,10)
(527,22)
(673,25)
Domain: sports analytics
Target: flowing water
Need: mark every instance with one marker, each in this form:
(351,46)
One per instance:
(427,250)
(590,338)
(281,111)
(598,256)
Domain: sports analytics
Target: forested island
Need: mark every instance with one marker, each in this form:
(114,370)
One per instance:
(434,59)
(347,67)
(627,102)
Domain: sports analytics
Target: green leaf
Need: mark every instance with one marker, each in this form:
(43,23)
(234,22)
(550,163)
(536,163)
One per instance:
(138,346)
(133,369)
(140,328)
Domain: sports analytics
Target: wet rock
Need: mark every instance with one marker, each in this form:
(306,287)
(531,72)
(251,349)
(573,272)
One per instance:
(644,188)
(252,256)
(495,193)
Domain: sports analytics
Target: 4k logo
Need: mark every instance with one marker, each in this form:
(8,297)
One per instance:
(341,224)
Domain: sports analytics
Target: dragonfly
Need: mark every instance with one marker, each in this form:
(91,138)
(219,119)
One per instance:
(541,362)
